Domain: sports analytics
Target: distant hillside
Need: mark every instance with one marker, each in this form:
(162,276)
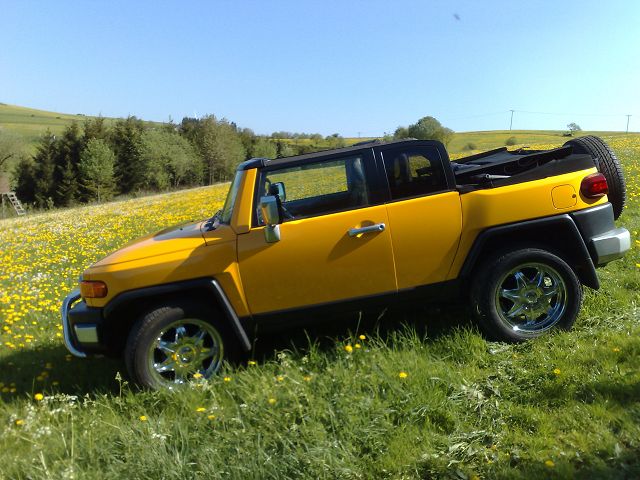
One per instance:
(32,123)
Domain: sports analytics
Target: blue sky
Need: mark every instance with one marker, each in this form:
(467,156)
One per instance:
(351,67)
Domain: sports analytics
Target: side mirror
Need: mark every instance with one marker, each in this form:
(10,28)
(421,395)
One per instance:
(271,213)
(279,190)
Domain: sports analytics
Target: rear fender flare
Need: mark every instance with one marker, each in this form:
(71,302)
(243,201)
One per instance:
(558,234)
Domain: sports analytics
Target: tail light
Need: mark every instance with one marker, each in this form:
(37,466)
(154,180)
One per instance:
(594,186)
(90,289)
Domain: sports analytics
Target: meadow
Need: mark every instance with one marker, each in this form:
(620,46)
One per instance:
(417,394)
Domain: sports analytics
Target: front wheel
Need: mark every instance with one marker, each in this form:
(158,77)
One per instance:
(525,293)
(173,344)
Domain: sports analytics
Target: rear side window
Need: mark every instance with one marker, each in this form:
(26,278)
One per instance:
(414,171)
(317,188)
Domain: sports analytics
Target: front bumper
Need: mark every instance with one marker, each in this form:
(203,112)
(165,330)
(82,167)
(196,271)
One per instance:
(80,326)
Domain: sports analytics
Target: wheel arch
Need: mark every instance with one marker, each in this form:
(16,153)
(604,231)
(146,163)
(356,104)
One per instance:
(558,234)
(123,310)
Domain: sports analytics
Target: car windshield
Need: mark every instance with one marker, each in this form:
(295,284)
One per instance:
(227,209)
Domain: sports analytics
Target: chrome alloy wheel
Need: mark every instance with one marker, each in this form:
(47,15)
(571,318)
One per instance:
(531,298)
(183,349)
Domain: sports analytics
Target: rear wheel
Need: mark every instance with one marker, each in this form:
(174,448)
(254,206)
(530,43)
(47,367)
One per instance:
(171,345)
(608,164)
(525,293)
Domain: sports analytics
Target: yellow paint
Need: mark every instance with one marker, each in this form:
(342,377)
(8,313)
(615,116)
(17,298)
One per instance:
(513,203)
(316,261)
(242,212)
(564,196)
(425,233)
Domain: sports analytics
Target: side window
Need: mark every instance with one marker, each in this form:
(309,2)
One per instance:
(317,188)
(414,171)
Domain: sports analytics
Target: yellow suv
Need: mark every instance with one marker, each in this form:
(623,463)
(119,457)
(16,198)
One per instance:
(516,232)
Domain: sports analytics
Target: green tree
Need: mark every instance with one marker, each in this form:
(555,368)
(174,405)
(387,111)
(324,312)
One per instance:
(44,160)
(263,148)
(428,128)
(66,162)
(169,159)
(284,149)
(335,141)
(97,164)
(400,133)
(220,147)
(574,127)
(95,128)
(25,178)
(126,139)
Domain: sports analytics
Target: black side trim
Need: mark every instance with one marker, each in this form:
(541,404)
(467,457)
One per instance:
(271,321)
(209,284)
(548,228)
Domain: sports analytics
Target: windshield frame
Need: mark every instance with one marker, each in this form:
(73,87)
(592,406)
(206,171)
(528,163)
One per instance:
(227,210)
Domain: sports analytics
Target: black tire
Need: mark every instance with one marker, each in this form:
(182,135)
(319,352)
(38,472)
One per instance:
(608,164)
(510,309)
(191,332)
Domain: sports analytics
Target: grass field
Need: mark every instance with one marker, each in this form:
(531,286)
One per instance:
(411,395)
(31,123)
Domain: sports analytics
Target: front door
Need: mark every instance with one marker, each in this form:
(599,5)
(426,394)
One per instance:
(320,259)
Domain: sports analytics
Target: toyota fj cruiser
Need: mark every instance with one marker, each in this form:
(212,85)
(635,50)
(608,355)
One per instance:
(516,232)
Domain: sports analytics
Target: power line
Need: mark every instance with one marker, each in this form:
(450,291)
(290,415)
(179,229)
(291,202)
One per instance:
(572,114)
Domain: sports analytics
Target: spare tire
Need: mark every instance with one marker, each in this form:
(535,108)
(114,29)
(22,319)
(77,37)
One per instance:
(607,164)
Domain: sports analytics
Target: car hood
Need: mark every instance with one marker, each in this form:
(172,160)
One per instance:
(174,239)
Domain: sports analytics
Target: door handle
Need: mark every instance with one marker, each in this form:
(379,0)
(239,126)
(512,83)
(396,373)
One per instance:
(378,227)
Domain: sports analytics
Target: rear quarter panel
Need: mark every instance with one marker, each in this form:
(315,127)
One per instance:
(482,209)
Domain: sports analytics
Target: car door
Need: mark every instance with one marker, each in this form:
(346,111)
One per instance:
(425,215)
(320,259)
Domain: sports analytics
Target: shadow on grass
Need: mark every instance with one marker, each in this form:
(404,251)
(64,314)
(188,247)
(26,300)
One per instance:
(592,466)
(51,369)
(429,323)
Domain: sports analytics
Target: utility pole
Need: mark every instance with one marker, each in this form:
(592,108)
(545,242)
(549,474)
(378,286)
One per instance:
(359,134)
(628,123)
(511,123)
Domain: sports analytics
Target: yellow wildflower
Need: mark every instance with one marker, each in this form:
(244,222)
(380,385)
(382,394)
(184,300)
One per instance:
(403,374)
(143,418)
(549,463)
(201,409)
(557,371)
(38,397)
(348,348)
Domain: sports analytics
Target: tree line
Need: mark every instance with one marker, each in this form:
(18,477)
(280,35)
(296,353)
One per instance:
(97,160)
